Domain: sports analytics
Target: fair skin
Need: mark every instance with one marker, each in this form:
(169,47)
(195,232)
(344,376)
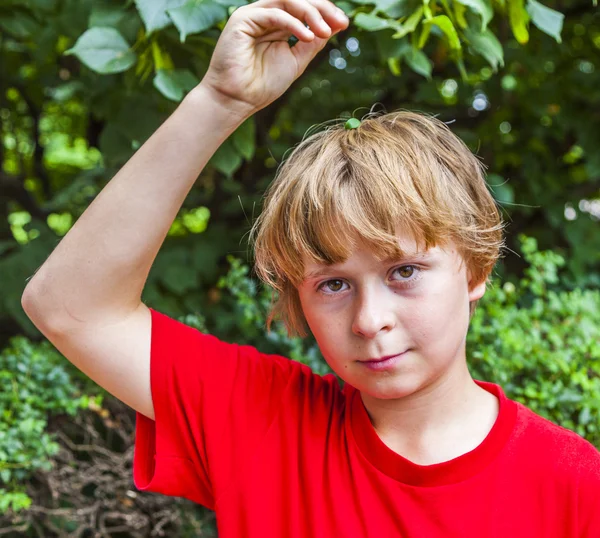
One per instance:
(426,407)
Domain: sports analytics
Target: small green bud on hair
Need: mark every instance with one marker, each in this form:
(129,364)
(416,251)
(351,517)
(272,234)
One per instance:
(352,123)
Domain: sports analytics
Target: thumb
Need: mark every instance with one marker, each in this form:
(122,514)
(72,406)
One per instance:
(305,51)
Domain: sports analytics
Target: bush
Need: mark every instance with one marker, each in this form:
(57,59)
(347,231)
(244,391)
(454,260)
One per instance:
(66,457)
(33,386)
(249,303)
(542,344)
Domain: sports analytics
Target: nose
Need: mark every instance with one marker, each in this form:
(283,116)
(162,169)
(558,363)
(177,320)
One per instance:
(373,314)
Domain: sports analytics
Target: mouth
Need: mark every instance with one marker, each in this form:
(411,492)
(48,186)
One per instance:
(383,359)
(382,364)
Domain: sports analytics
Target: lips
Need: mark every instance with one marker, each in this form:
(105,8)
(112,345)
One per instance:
(381,359)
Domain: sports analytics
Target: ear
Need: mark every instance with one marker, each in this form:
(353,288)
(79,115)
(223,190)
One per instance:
(476,291)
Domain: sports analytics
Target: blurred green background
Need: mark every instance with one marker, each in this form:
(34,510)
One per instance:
(84,83)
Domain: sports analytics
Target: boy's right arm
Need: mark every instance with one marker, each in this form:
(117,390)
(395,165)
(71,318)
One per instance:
(86,297)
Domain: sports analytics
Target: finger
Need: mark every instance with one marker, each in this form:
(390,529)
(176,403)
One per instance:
(306,51)
(322,16)
(334,16)
(274,18)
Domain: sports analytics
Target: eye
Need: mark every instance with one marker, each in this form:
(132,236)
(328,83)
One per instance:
(406,271)
(333,286)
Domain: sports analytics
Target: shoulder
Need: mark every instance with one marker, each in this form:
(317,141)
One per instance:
(554,446)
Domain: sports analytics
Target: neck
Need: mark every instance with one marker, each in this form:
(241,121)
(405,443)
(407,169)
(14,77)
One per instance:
(442,421)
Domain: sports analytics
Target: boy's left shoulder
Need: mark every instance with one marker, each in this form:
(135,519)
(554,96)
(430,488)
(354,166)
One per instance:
(567,451)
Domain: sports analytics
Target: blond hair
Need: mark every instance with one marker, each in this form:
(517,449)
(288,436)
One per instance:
(402,171)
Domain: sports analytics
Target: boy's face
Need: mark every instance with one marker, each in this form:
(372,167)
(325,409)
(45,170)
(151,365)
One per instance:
(367,309)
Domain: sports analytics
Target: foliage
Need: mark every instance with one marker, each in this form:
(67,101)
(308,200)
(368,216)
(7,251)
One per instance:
(250,306)
(34,384)
(542,344)
(103,49)
(66,456)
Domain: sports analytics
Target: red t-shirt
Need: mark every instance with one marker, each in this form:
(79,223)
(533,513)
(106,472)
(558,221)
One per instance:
(278,451)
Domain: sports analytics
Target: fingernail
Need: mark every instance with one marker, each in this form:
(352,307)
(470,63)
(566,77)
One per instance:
(341,16)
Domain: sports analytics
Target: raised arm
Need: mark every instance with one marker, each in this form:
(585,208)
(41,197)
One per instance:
(86,297)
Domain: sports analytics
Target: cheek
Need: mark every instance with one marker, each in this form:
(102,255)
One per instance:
(440,316)
(326,329)
(316,318)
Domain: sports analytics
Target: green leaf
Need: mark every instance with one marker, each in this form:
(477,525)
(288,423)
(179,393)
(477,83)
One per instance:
(445,24)
(418,61)
(154,12)
(104,13)
(371,23)
(487,45)
(585,415)
(427,9)
(244,139)
(175,83)
(482,8)
(160,57)
(459,14)
(103,50)
(196,16)
(395,67)
(410,24)
(426,30)
(547,20)
(518,20)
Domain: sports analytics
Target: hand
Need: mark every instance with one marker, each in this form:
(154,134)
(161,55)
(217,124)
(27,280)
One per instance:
(253,64)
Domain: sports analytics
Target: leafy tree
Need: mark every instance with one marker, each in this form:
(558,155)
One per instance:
(83,84)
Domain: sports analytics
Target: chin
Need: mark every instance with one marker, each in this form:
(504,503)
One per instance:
(389,388)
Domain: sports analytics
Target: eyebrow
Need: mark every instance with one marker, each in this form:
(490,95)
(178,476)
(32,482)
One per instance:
(329,268)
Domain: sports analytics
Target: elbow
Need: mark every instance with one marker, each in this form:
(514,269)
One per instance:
(29,297)
(35,310)
(30,306)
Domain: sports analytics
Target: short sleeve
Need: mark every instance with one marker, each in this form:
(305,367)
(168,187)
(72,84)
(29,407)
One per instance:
(213,403)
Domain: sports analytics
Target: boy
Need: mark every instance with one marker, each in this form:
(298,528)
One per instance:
(381,240)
